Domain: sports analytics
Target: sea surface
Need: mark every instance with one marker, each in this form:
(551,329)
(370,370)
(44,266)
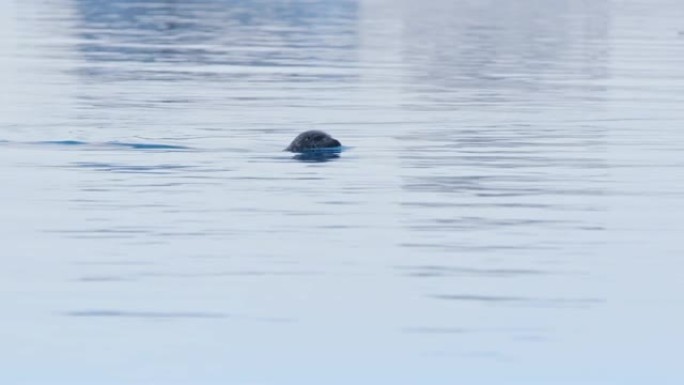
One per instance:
(509,208)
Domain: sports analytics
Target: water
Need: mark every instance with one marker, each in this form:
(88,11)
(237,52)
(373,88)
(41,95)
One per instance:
(508,211)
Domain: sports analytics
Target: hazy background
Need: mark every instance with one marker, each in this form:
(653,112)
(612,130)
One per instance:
(510,210)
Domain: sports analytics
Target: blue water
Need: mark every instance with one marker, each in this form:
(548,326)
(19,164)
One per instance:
(507,209)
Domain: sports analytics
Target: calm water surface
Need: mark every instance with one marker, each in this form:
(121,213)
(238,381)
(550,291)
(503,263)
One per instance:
(510,210)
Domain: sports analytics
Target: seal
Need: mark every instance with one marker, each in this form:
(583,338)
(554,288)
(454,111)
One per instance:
(312,141)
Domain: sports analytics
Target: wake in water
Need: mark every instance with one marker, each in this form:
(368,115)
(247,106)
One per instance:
(101,145)
(136,146)
(310,155)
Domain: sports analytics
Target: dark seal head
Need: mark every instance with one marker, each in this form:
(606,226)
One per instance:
(313,140)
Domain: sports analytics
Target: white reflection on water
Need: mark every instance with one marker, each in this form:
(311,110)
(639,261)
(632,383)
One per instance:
(508,210)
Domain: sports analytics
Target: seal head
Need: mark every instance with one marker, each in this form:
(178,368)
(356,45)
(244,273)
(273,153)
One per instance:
(313,140)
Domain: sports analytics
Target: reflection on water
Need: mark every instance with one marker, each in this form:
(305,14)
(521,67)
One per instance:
(240,49)
(501,55)
(508,210)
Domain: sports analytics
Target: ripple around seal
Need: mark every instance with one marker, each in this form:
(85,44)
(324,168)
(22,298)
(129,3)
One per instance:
(324,154)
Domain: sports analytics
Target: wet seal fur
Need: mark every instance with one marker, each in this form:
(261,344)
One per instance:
(314,141)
